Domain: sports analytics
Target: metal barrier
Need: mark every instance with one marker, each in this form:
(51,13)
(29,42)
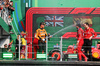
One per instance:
(57,45)
(60,44)
(6,54)
(24,49)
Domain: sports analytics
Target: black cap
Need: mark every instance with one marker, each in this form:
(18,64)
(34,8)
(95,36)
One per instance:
(78,24)
(5,44)
(42,23)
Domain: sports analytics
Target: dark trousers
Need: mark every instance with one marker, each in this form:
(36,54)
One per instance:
(17,53)
(87,48)
(10,28)
(42,46)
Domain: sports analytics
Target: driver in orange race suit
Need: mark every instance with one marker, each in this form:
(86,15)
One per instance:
(40,39)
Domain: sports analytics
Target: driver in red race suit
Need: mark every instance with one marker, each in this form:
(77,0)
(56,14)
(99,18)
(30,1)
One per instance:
(80,42)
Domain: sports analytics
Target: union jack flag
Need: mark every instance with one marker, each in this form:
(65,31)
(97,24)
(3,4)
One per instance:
(54,21)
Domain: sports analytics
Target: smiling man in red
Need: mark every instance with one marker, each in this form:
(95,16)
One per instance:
(89,33)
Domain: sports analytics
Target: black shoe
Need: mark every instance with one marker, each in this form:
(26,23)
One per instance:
(15,59)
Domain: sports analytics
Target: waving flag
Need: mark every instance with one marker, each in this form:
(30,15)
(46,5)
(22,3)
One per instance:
(54,21)
(11,42)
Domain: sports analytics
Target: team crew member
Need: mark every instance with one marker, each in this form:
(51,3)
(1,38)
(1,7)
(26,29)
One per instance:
(17,46)
(41,37)
(80,42)
(89,33)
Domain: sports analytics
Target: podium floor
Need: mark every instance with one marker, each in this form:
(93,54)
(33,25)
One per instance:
(47,63)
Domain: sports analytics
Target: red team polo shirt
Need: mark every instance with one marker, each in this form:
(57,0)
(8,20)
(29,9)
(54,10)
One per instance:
(89,32)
